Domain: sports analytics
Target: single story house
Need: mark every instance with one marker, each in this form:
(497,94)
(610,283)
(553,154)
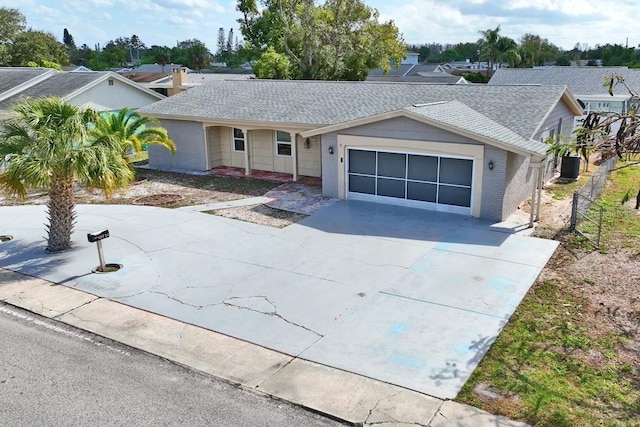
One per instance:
(101,90)
(470,149)
(586,83)
(405,69)
(178,79)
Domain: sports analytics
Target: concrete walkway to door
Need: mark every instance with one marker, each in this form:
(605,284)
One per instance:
(410,297)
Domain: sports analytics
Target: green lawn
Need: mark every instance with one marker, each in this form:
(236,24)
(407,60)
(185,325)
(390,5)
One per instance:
(557,363)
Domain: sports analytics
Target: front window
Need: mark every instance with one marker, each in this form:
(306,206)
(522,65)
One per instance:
(283,143)
(238,140)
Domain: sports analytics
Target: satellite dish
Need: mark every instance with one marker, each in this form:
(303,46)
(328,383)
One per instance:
(581,103)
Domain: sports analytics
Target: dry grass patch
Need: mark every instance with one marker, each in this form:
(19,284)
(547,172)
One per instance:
(260,214)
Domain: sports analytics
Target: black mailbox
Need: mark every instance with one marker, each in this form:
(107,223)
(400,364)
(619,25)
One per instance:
(97,235)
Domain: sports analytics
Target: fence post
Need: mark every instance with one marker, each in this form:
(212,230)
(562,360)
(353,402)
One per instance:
(600,226)
(574,210)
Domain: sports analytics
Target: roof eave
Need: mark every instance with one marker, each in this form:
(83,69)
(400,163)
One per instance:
(112,75)
(425,120)
(235,123)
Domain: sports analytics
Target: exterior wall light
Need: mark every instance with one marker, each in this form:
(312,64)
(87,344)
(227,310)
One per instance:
(491,165)
(331,149)
(307,143)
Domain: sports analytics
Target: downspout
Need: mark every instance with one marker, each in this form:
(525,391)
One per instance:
(247,158)
(537,165)
(540,182)
(533,200)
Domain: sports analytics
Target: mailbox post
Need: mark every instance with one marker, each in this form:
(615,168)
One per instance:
(97,237)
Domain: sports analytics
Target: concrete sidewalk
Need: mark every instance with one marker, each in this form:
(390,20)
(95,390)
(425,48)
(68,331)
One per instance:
(350,397)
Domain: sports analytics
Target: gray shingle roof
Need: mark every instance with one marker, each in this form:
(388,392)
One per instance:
(156,68)
(424,77)
(457,114)
(61,85)
(402,70)
(581,80)
(13,77)
(317,104)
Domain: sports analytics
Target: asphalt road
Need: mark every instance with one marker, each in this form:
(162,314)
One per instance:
(51,374)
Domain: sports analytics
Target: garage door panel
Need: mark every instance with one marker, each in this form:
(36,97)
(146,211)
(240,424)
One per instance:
(391,188)
(363,162)
(423,168)
(392,165)
(456,171)
(456,196)
(422,192)
(411,179)
(362,184)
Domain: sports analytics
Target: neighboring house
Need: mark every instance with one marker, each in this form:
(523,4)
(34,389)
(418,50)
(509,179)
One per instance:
(586,83)
(103,91)
(76,69)
(421,77)
(179,79)
(469,149)
(412,58)
(406,69)
(157,68)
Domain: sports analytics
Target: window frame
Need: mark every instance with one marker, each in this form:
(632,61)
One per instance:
(279,142)
(235,139)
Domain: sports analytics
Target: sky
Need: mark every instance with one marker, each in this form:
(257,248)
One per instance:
(164,22)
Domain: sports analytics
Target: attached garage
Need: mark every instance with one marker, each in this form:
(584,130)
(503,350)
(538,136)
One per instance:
(429,181)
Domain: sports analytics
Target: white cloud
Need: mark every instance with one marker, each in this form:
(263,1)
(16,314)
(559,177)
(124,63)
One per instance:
(563,22)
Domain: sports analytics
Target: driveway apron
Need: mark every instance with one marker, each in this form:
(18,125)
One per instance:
(411,297)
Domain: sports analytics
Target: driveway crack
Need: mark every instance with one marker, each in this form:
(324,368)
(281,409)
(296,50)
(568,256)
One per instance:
(273,312)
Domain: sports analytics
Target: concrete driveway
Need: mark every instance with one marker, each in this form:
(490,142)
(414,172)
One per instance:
(410,297)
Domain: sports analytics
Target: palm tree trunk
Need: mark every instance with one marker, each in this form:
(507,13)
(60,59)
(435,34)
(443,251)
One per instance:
(61,213)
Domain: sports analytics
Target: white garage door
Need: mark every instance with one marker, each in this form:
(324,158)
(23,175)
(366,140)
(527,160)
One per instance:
(418,180)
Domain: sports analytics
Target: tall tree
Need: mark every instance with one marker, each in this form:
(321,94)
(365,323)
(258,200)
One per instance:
(221,41)
(135,45)
(272,65)
(229,46)
(508,51)
(160,55)
(67,39)
(37,46)
(113,56)
(334,40)
(48,144)
(489,48)
(534,50)
(198,57)
(12,23)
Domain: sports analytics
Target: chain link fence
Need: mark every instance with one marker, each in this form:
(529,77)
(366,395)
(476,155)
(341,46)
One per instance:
(586,214)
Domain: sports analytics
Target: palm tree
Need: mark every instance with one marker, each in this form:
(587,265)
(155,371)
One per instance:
(49,143)
(489,47)
(133,131)
(508,49)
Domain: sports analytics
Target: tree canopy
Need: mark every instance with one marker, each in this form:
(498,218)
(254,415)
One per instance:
(19,47)
(496,48)
(12,23)
(335,40)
